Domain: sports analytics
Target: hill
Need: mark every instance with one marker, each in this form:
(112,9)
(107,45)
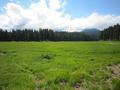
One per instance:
(93,33)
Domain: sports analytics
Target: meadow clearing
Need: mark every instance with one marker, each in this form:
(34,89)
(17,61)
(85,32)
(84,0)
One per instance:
(60,65)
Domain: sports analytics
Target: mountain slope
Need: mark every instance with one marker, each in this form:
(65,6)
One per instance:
(93,33)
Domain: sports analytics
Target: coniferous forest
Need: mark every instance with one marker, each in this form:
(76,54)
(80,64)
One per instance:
(110,33)
(44,35)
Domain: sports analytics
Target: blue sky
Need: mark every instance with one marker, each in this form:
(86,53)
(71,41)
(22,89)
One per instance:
(78,7)
(59,14)
(85,7)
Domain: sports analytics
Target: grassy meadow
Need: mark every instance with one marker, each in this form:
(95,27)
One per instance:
(60,65)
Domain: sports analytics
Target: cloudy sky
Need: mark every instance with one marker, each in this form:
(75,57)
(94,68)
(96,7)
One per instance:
(69,15)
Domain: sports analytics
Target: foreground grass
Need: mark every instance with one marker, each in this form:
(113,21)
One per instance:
(60,66)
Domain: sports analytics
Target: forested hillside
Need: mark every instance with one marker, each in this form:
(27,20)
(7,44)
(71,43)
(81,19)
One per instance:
(111,33)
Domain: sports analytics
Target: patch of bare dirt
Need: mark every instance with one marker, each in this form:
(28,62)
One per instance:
(37,82)
(80,85)
(115,70)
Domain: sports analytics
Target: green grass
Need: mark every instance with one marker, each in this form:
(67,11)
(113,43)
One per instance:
(59,65)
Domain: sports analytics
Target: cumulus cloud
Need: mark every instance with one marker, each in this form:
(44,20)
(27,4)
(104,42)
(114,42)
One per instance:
(56,4)
(50,14)
(95,20)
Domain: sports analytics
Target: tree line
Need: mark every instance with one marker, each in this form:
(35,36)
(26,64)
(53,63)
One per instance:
(111,33)
(43,35)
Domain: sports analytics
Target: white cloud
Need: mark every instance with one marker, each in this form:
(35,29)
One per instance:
(95,20)
(51,15)
(56,4)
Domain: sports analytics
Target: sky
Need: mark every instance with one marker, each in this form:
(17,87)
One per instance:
(68,15)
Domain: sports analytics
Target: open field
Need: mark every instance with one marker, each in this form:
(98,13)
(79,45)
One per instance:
(59,65)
